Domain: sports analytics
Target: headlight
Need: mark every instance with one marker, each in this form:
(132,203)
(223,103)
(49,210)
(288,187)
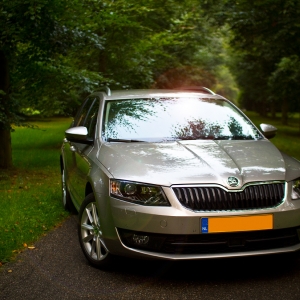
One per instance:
(296,189)
(138,193)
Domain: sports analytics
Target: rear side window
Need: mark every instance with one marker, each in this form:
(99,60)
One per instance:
(91,118)
(87,115)
(83,111)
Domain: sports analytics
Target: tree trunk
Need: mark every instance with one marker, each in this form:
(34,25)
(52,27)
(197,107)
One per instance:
(273,110)
(261,109)
(284,112)
(5,149)
(5,138)
(102,62)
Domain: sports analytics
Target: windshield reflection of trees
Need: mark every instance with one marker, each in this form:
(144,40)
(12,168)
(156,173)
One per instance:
(122,113)
(197,129)
(204,129)
(128,118)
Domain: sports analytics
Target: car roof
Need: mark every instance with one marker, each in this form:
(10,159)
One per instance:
(152,93)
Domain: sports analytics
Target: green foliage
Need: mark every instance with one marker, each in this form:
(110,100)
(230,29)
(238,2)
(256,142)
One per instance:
(284,81)
(37,36)
(265,36)
(59,51)
(56,88)
(55,52)
(146,39)
(288,136)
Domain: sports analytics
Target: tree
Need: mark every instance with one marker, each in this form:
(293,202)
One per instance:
(33,33)
(55,52)
(284,84)
(265,33)
(153,43)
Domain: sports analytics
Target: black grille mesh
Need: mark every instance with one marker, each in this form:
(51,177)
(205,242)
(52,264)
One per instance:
(215,198)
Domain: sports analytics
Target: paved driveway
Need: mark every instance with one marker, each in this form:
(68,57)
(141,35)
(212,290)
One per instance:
(57,269)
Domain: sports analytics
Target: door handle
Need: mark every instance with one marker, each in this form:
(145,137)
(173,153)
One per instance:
(72,148)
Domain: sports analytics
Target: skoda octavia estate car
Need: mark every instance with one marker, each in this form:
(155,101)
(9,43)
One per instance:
(177,174)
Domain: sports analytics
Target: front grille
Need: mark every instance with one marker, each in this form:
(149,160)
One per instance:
(213,243)
(216,199)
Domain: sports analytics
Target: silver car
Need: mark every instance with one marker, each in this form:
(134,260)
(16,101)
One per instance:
(177,174)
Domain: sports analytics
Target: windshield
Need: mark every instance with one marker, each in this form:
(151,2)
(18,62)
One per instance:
(169,119)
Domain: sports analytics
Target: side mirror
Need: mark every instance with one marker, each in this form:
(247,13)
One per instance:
(268,130)
(78,135)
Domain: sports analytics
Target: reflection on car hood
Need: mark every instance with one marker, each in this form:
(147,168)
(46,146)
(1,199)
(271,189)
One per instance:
(196,162)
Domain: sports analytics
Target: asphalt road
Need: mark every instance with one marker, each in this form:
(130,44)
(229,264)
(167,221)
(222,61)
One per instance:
(56,269)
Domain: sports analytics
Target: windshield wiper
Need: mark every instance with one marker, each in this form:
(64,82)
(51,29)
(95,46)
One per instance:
(222,137)
(234,137)
(122,140)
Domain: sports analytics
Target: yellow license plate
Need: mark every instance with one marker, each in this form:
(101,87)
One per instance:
(236,223)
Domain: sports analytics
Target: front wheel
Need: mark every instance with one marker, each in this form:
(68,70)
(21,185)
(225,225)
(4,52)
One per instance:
(90,234)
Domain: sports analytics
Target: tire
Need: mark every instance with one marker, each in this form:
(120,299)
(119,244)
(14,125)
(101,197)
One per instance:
(66,198)
(90,234)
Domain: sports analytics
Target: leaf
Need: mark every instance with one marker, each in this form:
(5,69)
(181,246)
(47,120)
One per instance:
(31,247)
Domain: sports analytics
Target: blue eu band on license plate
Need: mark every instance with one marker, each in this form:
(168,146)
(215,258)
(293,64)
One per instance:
(204,225)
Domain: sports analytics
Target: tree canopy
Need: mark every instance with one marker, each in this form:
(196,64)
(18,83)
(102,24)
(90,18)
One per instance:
(55,52)
(265,40)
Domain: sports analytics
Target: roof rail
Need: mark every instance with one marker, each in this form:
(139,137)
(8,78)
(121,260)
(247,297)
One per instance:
(105,89)
(196,89)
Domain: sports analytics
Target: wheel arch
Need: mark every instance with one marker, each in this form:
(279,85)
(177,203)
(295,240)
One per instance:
(89,189)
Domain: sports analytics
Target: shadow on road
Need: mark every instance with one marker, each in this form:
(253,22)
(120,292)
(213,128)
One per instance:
(259,267)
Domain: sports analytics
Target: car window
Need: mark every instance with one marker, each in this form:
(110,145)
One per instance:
(182,118)
(91,118)
(83,111)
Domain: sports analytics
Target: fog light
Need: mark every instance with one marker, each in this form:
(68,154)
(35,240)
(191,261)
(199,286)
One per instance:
(140,239)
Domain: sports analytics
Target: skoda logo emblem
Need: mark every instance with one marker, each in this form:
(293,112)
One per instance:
(233,181)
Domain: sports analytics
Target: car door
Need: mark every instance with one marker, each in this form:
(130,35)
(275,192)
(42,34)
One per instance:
(76,154)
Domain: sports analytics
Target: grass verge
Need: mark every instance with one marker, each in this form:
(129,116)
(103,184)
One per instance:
(30,193)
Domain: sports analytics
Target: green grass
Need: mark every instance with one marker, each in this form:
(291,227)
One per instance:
(30,193)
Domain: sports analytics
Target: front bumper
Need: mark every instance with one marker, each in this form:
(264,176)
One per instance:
(175,232)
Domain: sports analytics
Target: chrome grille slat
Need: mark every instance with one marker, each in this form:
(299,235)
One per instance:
(216,198)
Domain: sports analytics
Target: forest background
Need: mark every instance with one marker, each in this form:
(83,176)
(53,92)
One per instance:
(55,52)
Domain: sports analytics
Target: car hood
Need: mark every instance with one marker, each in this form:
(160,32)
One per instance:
(196,162)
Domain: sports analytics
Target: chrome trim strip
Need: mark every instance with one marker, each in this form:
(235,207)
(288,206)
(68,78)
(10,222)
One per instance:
(255,183)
